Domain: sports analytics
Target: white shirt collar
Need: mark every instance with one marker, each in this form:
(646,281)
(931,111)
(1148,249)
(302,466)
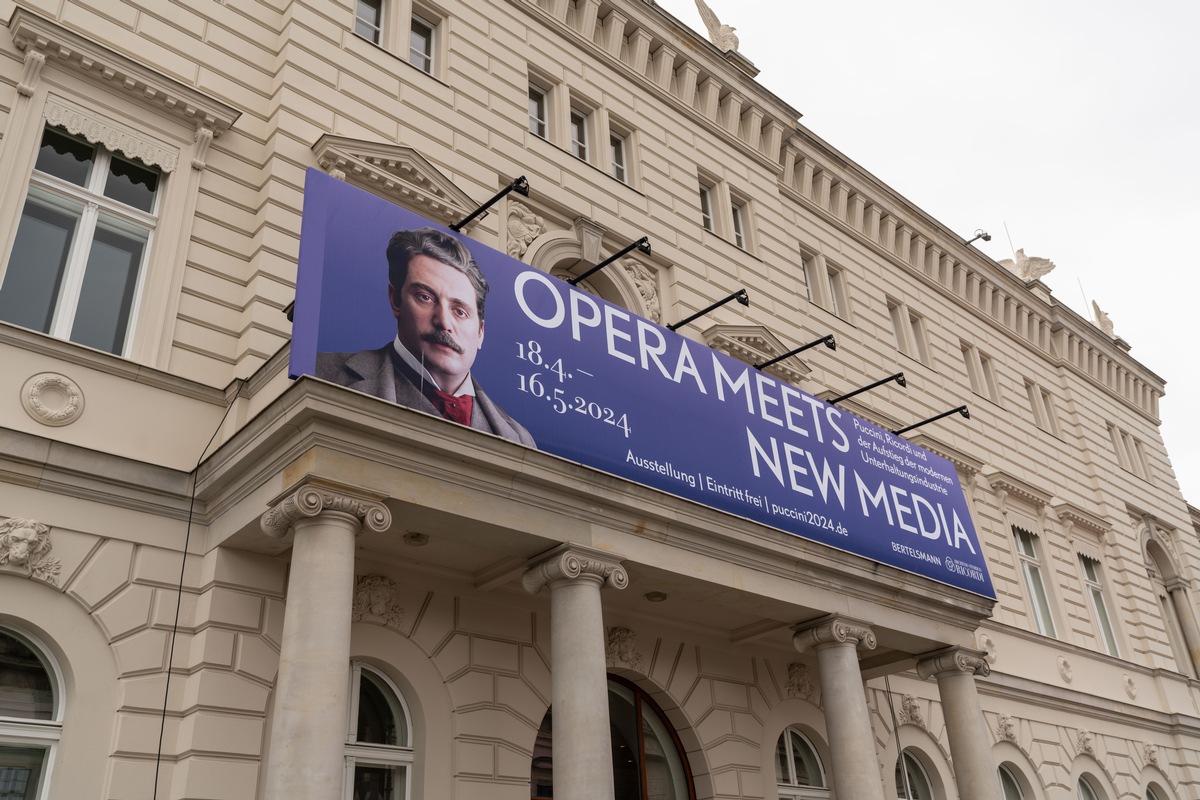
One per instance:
(467,387)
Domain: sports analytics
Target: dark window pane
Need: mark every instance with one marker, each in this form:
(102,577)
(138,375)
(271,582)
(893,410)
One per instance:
(102,318)
(35,269)
(626,754)
(374,783)
(65,157)
(20,772)
(25,688)
(367,19)
(376,719)
(131,184)
(420,46)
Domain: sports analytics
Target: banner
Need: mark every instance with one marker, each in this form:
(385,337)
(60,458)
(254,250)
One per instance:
(555,367)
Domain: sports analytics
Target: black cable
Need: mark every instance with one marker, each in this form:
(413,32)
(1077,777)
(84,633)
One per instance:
(187,536)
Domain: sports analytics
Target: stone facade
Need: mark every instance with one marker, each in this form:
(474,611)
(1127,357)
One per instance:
(133,557)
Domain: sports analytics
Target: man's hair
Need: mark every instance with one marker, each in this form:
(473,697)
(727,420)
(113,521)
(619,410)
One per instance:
(439,246)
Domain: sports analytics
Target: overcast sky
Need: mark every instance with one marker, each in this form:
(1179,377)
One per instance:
(1076,124)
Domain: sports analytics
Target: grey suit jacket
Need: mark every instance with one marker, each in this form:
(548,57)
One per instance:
(374,372)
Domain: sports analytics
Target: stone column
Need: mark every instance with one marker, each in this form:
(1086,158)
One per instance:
(836,640)
(1178,591)
(308,725)
(970,751)
(582,766)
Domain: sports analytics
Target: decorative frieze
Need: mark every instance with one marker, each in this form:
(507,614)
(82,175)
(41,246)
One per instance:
(25,544)
(98,130)
(569,562)
(310,500)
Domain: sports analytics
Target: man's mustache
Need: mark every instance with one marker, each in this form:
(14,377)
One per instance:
(444,339)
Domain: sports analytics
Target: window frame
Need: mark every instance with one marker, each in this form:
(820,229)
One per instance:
(1092,572)
(430,53)
(791,789)
(378,27)
(34,734)
(618,155)
(539,126)
(579,134)
(707,220)
(907,757)
(1031,563)
(371,754)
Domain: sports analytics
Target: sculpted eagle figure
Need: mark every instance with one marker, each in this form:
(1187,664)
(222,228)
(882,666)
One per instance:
(722,36)
(1028,268)
(1103,321)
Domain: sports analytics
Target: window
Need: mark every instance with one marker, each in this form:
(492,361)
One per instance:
(809,268)
(912,783)
(616,149)
(980,372)
(1045,412)
(1012,789)
(797,767)
(538,122)
(579,134)
(737,213)
(706,209)
(1086,791)
(909,328)
(420,45)
(1131,455)
(645,749)
(379,751)
(1095,590)
(81,245)
(837,291)
(30,718)
(368,20)
(1031,568)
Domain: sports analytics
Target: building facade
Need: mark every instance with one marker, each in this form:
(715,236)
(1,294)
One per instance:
(218,582)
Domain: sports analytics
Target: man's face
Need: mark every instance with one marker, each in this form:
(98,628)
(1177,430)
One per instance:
(437,319)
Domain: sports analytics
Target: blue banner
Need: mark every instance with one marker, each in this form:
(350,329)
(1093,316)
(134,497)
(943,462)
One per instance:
(554,367)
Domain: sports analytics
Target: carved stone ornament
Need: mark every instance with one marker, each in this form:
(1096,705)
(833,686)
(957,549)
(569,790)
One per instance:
(955,659)
(1150,753)
(98,130)
(1006,729)
(571,562)
(310,500)
(987,646)
(1028,268)
(647,285)
(910,711)
(1083,743)
(833,630)
(1103,321)
(523,227)
(1130,687)
(1064,669)
(52,399)
(799,682)
(25,544)
(375,597)
(34,61)
(622,649)
(722,36)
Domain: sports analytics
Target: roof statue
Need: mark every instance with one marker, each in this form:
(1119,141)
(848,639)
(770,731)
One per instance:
(1028,268)
(1103,321)
(722,36)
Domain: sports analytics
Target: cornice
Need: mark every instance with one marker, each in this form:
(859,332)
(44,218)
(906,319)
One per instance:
(753,344)
(1003,482)
(41,39)
(968,465)
(1075,516)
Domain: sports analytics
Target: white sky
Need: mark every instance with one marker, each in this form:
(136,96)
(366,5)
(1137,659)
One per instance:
(1076,123)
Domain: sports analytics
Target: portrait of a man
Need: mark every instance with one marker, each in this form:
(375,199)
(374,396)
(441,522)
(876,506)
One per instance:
(437,294)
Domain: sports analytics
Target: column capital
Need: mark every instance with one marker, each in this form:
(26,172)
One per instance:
(951,660)
(833,629)
(316,497)
(570,561)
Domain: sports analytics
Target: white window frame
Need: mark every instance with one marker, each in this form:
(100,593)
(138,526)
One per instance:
(429,56)
(737,216)
(1086,790)
(1093,581)
(376,29)
(376,755)
(1005,772)
(707,220)
(579,123)
(539,126)
(1031,560)
(89,205)
(790,790)
(906,757)
(618,153)
(19,732)
(912,336)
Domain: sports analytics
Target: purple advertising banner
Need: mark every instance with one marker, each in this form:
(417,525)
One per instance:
(553,367)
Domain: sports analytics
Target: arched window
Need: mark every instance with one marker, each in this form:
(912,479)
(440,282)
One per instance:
(30,717)
(648,762)
(798,770)
(1151,794)
(1012,789)
(379,753)
(913,783)
(1086,791)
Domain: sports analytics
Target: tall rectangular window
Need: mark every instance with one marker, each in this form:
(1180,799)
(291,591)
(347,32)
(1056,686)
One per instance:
(980,372)
(579,134)
(538,121)
(617,157)
(420,45)
(81,243)
(1031,569)
(368,20)
(837,291)
(1095,589)
(739,224)
(809,268)
(706,212)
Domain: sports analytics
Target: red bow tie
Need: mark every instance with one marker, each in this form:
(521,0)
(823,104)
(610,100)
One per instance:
(456,409)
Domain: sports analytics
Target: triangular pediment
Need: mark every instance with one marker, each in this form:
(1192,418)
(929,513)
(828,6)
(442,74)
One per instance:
(396,173)
(754,344)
